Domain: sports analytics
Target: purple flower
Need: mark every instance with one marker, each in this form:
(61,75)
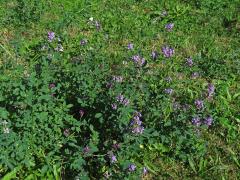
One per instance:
(98,25)
(167,51)
(81,112)
(120,98)
(132,167)
(114,106)
(125,102)
(66,132)
(116,146)
(109,85)
(138,114)
(169,26)
(83,42)
(51,36)
(138,60)
(113,158)
(138,129)
(117,78)
(145,171)
(130,46)
(195,75)
(189,62)
(208,121)
(154,55)
(168,91)
(211,90)
(52,85)
(168,79)
(199,104)
(196,121)
(136,124)
(86,150)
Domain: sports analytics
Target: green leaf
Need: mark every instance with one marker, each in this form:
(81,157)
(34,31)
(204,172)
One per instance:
(12,174)
(192,165)
(98,115)
(3,113)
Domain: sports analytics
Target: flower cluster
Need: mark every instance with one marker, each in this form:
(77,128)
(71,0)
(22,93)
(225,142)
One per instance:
(136,124)
(122,100)
(140,61)
(169,26)
(168,91)
(83,42)
(154,55)
(196,121)
(6,130)
(167,51)
(199,104)
(168,79)
(189,62)
(130,46)
(117,78)
(211,90)
(132,167)
(51,36)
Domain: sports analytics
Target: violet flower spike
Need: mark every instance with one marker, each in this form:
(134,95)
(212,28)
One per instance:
(208,121)
(169,26)
(168,91)
(132,167)
(114,106)
(116,146)
(196,121)
(66,132)
(211,90)
(113,159)
(81,112)
(51,36)
(86,150)
(52,85)
(195,75)
(97,24)
(145,171)
(167,51)
(189,62)
(199,104)
(83,42)
(154,55)
(130,46)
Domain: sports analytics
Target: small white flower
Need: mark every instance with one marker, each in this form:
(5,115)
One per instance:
(6,130)
(125,62)
(4,123)
(91,19)
(59,48)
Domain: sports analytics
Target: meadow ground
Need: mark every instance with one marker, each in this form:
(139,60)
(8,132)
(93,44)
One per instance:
(121,89)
